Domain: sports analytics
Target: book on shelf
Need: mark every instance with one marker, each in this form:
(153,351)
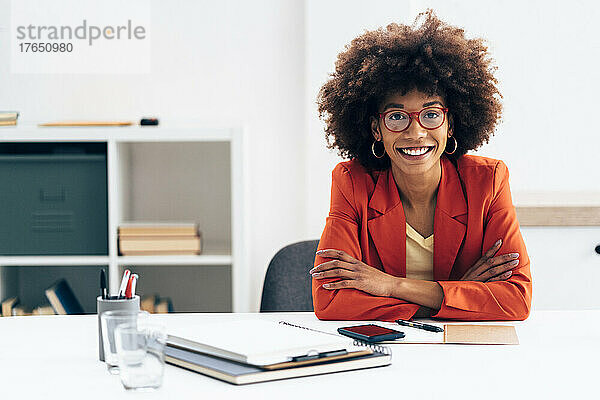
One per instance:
(8,305)
(164,306)
(43,310)
(148,303)
(21,310)
(63,299)
(241,352)
(8,118)
(161,253)
(156,305)
(163,245)
(137,229)
(159,238)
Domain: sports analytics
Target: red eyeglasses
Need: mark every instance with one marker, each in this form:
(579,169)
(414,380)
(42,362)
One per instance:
(399,120)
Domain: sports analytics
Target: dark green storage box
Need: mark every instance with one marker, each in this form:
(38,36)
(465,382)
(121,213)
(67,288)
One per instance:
(53,199)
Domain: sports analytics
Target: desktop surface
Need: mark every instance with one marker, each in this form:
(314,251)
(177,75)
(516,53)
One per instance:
(57,357)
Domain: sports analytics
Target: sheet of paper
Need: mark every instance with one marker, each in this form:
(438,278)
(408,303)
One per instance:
(413,335)
(455,332)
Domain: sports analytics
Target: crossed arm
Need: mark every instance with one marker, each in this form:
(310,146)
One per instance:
(352,273)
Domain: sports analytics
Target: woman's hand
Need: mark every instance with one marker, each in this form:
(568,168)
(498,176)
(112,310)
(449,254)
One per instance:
(352,274)
(490,268)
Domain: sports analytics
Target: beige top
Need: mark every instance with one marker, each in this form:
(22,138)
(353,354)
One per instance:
(419,255)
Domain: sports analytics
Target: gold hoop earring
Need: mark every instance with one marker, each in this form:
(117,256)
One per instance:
(455,146)
(373,150)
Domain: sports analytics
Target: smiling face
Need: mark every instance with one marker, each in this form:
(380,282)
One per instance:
(416,150)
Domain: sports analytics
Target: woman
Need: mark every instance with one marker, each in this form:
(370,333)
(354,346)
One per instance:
(416,227)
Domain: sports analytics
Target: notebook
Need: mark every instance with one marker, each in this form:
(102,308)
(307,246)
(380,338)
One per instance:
(240,373)
(258,342)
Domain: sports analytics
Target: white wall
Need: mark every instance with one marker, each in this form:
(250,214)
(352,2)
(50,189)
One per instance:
(232,62)
(547,53)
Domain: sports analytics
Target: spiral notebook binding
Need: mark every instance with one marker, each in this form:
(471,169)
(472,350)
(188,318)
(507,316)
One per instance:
(375,347)
(308,329)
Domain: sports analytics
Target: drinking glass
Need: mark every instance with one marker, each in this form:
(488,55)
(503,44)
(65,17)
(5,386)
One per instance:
(110,320)
(141,354)
(112,303)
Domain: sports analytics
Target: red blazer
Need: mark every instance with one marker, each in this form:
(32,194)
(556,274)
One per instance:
(474,209)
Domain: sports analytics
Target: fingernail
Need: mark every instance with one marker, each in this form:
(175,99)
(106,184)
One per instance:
(320,251)
(509,273)
(498,242)
(515,262)
(514,255)
(317,275)
(311,271)
(326,285)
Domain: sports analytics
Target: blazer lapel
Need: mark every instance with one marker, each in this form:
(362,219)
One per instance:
(448,230)
(388,230)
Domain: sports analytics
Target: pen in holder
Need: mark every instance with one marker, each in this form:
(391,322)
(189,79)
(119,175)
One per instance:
(113,304)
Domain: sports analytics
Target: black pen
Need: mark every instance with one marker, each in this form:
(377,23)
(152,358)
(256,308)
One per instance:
(419,325)
(320,355)
(103,284)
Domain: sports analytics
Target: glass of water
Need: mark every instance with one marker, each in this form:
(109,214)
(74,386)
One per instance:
(141,354)
(110,320)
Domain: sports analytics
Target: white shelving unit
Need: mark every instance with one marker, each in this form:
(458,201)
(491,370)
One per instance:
(177,173)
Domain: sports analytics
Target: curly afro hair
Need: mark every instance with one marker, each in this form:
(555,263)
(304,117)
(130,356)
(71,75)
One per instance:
(434,58)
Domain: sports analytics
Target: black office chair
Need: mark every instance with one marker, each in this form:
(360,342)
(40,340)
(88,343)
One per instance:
(287,285)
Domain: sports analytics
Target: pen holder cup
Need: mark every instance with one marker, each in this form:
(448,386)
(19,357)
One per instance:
(112,304)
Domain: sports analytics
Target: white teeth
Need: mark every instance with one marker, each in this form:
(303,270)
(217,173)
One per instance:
(415,151)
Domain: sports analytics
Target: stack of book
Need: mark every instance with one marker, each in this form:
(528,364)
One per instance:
(136,239)
(241,352)
(8,118)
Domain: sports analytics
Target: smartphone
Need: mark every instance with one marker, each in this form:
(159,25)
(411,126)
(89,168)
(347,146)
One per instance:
(370,333)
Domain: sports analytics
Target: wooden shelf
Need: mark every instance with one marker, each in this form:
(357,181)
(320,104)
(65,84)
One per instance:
(558,216)
(558,208)
(204,259)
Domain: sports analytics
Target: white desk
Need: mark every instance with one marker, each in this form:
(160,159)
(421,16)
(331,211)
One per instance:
(558,357)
